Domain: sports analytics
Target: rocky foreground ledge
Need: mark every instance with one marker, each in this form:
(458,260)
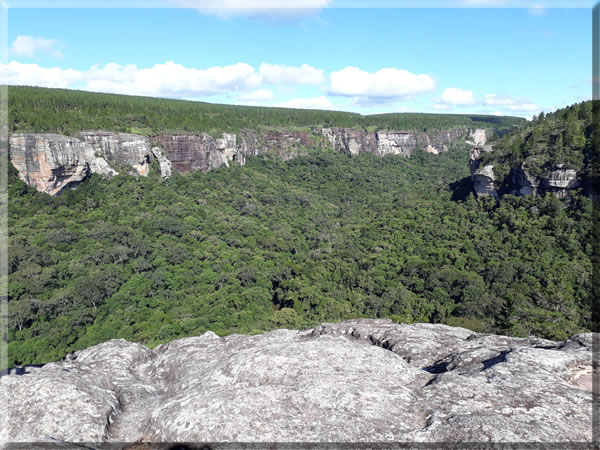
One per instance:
(359,381)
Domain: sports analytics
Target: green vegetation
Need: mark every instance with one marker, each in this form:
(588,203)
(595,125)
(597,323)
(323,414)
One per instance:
(322,237)
(290,244)
(34,109)
(562,137)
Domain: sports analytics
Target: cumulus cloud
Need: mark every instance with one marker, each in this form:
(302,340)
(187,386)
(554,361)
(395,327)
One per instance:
(386,83)
(307,103)
(286,75)
(30,46)
(33,75)
(256,8)
(441,107)
(456,96)
(171,79)
(509,103)
(257,96)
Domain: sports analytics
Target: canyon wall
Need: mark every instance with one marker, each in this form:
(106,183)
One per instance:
(52,163)
(521,180)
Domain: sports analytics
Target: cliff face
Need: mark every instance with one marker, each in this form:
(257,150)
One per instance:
(189,153)
(483,178)
(390,142)
(360,380)
(557,181)
(130,150)
(51,163)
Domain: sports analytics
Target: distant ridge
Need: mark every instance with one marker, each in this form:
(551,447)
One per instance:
(64,111)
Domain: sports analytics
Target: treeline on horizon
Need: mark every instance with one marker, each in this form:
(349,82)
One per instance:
(63,111)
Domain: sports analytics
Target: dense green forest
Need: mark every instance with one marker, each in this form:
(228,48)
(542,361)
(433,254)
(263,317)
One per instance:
(275,244)
(35,109)
(561,137)
(322,237)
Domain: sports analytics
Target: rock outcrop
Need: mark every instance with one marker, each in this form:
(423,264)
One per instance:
(360,380)
(389,142)
(484,181)
(189,153)
(163,162)
(129,150)
(557,181)
(477,137)
(51,162)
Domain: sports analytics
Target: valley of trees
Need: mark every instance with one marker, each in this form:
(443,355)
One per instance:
(322,237)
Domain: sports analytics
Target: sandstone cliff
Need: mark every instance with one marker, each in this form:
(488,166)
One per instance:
(51,163)
(359,380)
(557,181)
(389,142)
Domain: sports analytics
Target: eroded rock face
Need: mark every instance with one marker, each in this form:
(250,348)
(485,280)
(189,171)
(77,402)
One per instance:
(130,150)
(51,162)
(163,161)
(390,142)
(189,153)
(360,380)
(483,181)
(395,143)
(477,137)
(558,182)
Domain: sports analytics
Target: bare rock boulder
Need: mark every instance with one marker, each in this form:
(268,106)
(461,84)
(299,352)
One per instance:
(355,381)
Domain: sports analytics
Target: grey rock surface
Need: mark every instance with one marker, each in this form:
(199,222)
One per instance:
(51,163)
(390,142)
(131,150)
(189,153)
(163,162)
(355,381)
(483,181)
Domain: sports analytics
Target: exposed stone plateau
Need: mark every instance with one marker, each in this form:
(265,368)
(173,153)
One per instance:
(359,380)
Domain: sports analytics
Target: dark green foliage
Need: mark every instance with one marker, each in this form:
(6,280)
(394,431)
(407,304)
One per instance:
(275,244)
(35,109)
(561,137)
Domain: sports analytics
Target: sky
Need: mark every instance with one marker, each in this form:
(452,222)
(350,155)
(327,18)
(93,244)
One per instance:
(480,58)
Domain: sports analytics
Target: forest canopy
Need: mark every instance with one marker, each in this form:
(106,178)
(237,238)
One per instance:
(63,111)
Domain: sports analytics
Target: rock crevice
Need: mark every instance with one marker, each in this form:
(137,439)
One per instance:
(348,381)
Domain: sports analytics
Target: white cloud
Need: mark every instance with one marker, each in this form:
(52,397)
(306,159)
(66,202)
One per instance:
(386,83)
(509,103)
(493,99)
(33,75)
(256,8)
(524,107)
(537,10)
(172,80)
(257,96)
(456,96)
(277,74)
(440,107)
(307,103)
(29,46)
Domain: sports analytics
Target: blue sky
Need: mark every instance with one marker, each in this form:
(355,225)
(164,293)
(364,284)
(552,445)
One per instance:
(514,61)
